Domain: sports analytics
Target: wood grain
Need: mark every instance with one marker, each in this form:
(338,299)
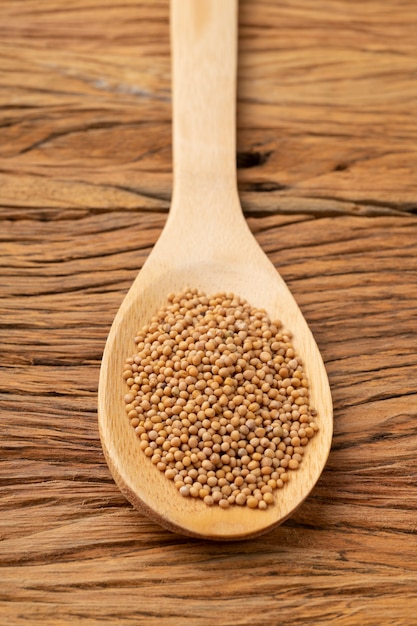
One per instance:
(327,159)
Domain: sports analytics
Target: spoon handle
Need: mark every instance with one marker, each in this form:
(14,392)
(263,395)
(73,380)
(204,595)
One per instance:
(204,53)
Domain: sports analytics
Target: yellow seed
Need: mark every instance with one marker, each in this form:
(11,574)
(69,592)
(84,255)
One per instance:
(268,497)
(219,399)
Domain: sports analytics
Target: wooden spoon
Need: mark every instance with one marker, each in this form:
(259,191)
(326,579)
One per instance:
(205,244)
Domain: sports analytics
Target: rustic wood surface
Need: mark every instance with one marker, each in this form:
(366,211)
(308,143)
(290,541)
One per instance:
(327,158)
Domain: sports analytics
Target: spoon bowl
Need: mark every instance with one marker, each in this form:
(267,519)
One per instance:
(206,244)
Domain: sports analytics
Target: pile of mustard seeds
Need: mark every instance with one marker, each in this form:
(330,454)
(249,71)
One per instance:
(219,399)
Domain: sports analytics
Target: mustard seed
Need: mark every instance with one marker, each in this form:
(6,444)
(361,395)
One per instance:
(219,399)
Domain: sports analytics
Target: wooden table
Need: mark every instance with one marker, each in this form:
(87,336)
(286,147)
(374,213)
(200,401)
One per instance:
(327,157)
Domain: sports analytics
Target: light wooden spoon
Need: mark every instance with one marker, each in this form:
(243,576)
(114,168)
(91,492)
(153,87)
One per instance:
(205,244)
